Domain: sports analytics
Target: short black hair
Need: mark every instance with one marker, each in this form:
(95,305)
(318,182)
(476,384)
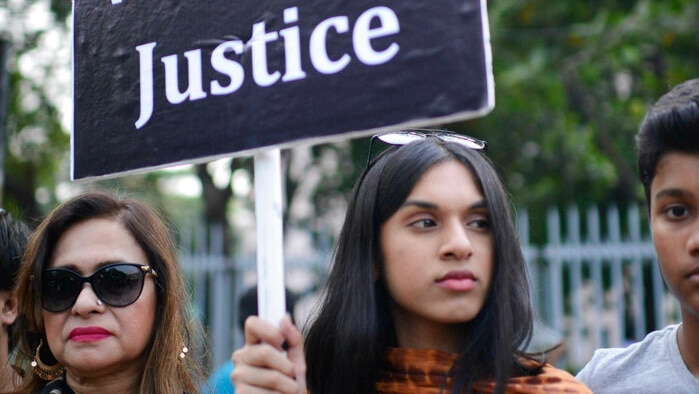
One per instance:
(670,125)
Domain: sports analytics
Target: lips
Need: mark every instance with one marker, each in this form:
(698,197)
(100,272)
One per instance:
(694,275)
(88,334)
(458,280)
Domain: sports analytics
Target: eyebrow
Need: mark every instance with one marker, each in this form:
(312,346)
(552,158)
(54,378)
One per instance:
(673,192)
(429,205)
(74,267)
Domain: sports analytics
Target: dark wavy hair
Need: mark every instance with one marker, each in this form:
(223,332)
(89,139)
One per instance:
(345,342)
(671,124)
(173,326)
(14,235)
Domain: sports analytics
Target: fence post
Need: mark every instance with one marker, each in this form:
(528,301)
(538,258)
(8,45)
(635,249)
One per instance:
(576,284)
(4,103)
(221,298)
(530,255)
(637,305)
(555,301)
(596,315)
(657,283)
(617,333)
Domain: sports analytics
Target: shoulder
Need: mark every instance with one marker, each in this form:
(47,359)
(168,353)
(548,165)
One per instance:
(223,370)
(620,366)
(56,386)
(614,358)
(549,380)
(561,380)
(220,379)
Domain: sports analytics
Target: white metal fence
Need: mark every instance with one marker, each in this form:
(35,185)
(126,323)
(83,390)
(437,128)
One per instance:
(596,279)
(595,282)
(217,281)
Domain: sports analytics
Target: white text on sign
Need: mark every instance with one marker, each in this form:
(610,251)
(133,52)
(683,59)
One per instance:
(374,23)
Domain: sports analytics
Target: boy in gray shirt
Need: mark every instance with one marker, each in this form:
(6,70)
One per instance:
(667,360)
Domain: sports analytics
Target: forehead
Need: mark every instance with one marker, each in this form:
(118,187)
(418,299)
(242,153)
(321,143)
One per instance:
(446,177)
(676,170)
(94,242)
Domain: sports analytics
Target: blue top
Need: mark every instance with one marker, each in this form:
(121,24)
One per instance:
(220,380)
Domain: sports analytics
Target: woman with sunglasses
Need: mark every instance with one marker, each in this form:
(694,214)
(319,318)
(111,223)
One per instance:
(428,290)
(104,303)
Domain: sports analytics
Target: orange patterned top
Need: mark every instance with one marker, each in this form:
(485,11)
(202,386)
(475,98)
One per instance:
(420,371)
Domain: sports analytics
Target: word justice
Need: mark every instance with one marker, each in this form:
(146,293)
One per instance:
(372,24)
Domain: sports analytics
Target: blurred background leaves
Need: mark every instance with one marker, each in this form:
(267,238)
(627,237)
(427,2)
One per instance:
(573,80)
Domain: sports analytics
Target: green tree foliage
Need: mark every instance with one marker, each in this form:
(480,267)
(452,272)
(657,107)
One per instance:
(35,142)
(573,80)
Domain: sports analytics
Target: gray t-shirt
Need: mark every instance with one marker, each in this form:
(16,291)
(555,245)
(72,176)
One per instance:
(653,365)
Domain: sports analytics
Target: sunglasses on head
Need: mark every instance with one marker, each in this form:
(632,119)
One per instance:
(408,136)
(117,284)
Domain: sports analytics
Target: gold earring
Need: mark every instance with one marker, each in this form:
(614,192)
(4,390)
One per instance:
(42,370)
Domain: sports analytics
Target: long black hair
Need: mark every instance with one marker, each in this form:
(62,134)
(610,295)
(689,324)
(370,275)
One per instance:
(345,343)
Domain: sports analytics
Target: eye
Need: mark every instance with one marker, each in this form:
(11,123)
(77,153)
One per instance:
(423,223)
(480,223)
(676,211)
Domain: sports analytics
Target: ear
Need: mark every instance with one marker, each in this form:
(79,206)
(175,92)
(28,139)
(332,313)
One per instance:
(8,308)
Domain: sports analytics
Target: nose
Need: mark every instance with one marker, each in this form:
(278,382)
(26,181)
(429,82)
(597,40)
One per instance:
(87,301)
(693,240)
(456,244)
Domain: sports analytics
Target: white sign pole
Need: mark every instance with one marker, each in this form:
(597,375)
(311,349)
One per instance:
(269,222)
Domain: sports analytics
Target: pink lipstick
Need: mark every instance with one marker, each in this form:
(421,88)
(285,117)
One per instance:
(458,280)
(88,334)
(694,276)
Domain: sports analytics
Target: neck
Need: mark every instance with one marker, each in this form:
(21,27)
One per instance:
(688,342)
(425,334)
(7,376)
(110,382)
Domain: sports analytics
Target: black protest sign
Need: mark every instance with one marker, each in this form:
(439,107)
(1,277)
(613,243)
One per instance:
(174,81)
